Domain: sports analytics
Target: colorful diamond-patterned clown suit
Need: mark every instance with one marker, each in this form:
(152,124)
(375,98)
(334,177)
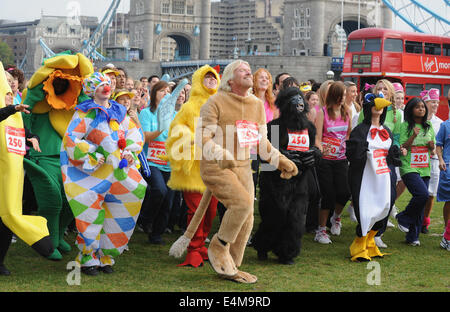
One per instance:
(105,198)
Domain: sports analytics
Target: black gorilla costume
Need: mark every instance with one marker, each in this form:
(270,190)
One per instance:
(283,203)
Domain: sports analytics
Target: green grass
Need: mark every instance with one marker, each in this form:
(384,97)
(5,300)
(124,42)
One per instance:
(319,268)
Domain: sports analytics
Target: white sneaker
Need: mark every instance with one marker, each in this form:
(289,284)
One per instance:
(390,224)
(445,244)
(322,237)
(379,242)
(351,212)
(13,239)
(394,211)
(414,243)
(335,226)
(402,228)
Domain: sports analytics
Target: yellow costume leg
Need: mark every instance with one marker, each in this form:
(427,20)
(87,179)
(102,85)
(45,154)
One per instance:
(358,249)
(31,229)
(371,246)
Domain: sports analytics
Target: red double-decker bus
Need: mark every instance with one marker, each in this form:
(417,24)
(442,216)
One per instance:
(418,61)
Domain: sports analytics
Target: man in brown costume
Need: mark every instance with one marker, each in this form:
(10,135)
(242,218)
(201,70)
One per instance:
(231,122)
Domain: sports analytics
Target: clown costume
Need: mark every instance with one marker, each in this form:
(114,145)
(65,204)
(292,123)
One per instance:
(102,184)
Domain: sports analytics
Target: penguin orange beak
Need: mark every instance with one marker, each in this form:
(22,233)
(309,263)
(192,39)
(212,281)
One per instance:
(381,103)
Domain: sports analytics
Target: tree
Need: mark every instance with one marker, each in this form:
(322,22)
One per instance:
(6,54)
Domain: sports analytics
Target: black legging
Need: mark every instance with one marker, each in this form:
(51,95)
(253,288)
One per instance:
(5,240)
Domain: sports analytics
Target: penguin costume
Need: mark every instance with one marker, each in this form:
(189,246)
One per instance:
(370,150)
(283,204)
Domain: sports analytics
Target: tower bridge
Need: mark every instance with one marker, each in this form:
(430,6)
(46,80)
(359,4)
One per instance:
(306,36)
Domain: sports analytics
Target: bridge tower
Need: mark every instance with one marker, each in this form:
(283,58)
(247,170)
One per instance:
(187,22)
(313,27)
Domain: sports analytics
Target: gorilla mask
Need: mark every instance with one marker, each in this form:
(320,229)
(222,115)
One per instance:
(298,102)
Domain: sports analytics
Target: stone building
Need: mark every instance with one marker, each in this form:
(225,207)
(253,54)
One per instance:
(313,27)
(186,22)
(242,28)
(59,33)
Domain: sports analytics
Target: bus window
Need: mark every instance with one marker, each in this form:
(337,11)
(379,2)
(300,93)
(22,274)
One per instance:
(446,89)
(352,79)
(413,47)
(413,89)
(393,45)
(446,51)
(372,45)
(429,86)
(354,46)
(432,48)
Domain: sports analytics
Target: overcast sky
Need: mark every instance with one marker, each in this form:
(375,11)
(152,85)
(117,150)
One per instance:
(28,10)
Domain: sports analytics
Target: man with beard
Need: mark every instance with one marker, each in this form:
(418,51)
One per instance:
(232,122)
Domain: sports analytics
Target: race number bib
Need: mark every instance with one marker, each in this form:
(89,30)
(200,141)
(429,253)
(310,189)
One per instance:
(331,148)
(298,140)
(156,149)
(15,140)
(247,133)
(379,157)
(419,157)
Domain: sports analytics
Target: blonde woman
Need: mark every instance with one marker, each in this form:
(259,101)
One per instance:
(322,92)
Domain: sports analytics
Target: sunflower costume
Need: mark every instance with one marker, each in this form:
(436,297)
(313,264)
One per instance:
(52,93)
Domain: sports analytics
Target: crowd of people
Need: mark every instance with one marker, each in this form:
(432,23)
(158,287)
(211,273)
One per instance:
(121,164)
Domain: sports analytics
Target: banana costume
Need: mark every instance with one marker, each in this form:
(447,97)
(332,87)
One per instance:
(185,165)
(52,93)
(31,229)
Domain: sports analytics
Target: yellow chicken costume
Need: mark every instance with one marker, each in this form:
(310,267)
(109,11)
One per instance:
(229,126)
(185,165)
(31,229)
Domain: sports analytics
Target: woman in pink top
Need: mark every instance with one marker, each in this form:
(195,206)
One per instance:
(333,124)
(262,89)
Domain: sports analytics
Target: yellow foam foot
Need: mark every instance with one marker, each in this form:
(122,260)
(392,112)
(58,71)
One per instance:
(358,250)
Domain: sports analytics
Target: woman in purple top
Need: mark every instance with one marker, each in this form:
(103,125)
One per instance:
(333,123)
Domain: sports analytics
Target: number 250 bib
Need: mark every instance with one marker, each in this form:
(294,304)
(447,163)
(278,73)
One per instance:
(419,157)
(247,133)
(298,140)
(15,140)
(156,149)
